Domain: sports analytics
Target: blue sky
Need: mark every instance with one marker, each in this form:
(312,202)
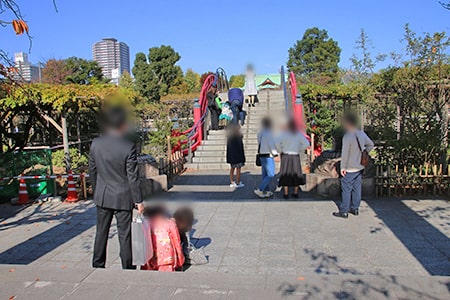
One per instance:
(229,33)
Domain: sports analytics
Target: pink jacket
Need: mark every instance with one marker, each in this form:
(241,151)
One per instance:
(168,254)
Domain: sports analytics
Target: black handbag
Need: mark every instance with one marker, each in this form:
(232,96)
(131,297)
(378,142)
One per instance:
(258,156)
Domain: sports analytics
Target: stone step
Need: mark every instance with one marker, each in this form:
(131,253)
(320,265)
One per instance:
(217,137)
(211,155)
(207,166)
(253,125)
(224,147)
(222,165)
(262,110)
(249,153)
(247,142)
(214,159)
(217,159)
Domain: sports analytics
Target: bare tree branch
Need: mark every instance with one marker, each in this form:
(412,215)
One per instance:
(445,5)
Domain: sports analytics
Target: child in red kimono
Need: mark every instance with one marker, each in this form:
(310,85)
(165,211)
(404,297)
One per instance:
(168,254)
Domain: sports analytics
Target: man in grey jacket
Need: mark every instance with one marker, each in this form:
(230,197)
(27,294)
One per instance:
(353,143)
(115,179)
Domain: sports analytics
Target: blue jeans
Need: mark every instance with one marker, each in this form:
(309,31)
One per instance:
(236,107)
(268,172)
(351,186)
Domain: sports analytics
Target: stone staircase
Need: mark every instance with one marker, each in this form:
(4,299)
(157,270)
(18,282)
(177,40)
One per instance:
(211,155)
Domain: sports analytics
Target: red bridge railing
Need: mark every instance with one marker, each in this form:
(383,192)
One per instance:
(194,135)
(297,103)
(299,114)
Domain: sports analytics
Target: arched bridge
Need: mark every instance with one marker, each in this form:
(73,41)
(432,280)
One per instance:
(205,149)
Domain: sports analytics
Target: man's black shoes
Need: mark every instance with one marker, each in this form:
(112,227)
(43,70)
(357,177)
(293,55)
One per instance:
(340,215)
(354,212)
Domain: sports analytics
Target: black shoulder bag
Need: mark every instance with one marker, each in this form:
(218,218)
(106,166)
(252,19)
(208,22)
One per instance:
(258,156)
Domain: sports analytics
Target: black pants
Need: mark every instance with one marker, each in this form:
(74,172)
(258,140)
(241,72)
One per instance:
(214,118)
(104,219)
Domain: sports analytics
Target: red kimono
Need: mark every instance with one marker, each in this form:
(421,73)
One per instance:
(168,254)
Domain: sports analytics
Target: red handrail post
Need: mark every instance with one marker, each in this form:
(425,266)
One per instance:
(197,117)
(298,112)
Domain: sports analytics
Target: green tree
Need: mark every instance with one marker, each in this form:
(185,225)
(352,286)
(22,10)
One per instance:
(146,82)
(162,62)
(192,80)
(78,160)
(412,108)
(315,55)
(84,71)
(156,74)
(126,81)
(237,81)
(363,64)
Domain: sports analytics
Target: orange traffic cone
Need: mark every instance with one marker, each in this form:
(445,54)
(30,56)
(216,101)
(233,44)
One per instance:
(23,193)
(72,195)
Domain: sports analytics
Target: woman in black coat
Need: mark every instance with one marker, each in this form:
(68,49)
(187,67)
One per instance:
(235,155)
(213,108)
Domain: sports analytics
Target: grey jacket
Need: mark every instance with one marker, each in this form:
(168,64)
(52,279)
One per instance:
(351,155)
(266,143)
(292,143)
(114,173)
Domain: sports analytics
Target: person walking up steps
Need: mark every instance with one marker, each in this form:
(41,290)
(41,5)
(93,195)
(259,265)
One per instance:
(266,152)
(354,143)
(250,85)
(213,107)
(236,100)
(235,155)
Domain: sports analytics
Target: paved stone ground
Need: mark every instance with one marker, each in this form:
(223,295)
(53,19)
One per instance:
(270,249)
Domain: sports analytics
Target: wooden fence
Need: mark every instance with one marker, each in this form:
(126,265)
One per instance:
(425,180)
(173,165)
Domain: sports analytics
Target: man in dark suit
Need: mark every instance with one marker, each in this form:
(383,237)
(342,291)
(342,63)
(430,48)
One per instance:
(115,179)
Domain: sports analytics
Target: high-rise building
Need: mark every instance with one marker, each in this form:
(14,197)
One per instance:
(113,56)
(25,70)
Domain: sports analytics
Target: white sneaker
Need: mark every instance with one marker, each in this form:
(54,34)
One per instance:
(240,185)
(233,185)
(262,194)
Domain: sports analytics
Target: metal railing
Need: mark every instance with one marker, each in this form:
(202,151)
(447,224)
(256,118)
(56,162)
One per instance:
(173,165)
(283,86)
(198,131)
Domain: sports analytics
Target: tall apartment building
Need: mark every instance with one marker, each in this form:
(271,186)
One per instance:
(113,56)
(25,70)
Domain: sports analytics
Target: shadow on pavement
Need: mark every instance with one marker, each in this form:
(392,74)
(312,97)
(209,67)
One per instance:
(70,224)
(342,284)
(423,240)
(215,187)
(426,243)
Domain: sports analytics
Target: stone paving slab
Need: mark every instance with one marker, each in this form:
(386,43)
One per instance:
(259,237)
(49,246)
(119,284)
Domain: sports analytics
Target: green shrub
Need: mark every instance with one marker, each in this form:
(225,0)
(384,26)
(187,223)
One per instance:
(78,161)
